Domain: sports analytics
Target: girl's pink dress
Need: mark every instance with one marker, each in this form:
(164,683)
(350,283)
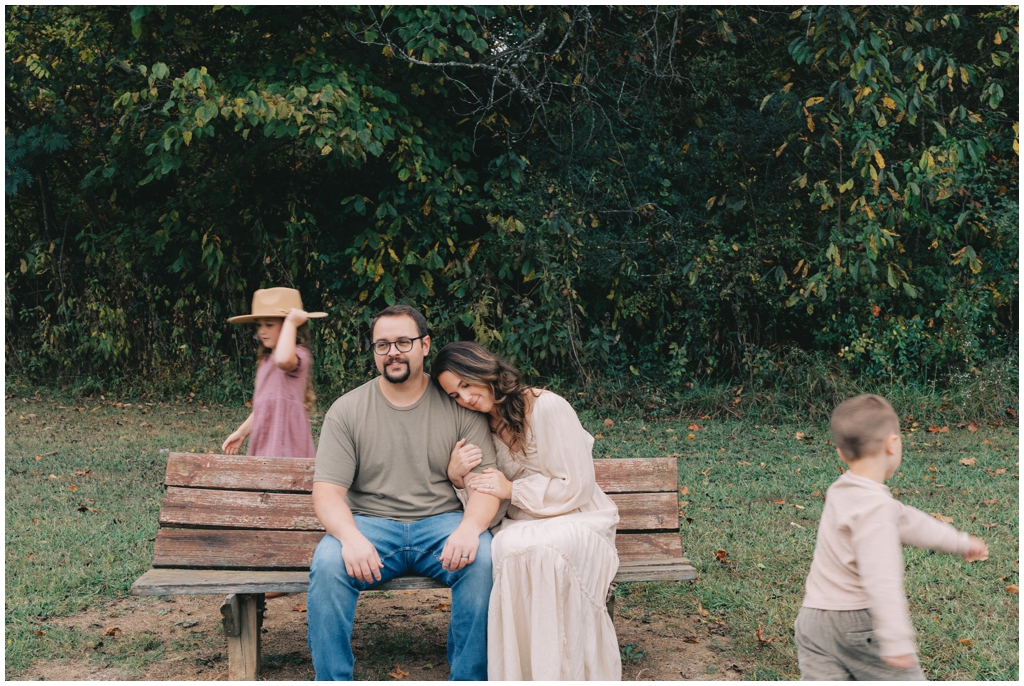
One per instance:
(280,425)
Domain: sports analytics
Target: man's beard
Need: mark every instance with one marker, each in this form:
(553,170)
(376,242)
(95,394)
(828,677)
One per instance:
(401,378)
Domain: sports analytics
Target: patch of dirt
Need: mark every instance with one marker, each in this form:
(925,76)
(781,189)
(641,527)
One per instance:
(406,629)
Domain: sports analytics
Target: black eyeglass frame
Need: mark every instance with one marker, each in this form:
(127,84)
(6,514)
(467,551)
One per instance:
(374,344)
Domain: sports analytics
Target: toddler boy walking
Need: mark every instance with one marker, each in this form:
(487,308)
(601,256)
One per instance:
(854,623)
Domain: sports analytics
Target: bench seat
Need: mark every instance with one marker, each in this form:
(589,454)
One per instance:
(245,526)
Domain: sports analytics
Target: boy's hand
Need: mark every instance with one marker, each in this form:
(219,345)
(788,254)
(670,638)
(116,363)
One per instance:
(978,550)
(463,458)
(900,661)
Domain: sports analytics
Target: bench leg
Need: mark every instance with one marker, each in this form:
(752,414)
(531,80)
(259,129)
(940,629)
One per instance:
(243,618)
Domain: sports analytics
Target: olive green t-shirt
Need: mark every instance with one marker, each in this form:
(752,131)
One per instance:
(394,460)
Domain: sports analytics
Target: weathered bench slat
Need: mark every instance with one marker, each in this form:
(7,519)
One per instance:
(192,507)
(244,548)
(238,472)
(188,507)
(197,581)
(636,475)
(646,511)
(647,546)
(235,548)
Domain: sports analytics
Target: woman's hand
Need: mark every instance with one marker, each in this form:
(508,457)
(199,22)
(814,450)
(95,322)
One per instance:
(234,442)
(463,459)
(491,482)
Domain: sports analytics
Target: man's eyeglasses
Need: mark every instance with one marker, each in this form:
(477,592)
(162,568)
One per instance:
(403,345)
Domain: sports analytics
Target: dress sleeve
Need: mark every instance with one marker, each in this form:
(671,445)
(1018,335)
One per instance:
(566,479)
(924,531)
(879,559)
(302,355)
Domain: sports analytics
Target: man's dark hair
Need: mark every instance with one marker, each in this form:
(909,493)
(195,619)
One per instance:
(400,311)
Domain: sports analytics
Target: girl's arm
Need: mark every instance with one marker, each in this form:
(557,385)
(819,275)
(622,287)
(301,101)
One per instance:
(234,442)
(284,353)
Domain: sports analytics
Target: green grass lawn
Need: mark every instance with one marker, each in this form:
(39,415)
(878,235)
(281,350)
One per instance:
(84,482)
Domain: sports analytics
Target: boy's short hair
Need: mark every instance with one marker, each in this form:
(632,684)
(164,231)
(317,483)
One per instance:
(402,311)
(861,424)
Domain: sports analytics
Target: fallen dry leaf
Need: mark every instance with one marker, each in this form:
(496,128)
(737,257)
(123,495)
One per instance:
(693,427)
(689,437)
(1012,589)
(684,490)
(990,526)
(780,502)
(721,555)
(598,437)
(691,639)
(799,435)
(761,638)
(609,422)
(989,502)
(443,607)
(398,672)
(941,518)
(40,633)
(967,462)
(87,471)
(299,608)
(701,611)
(1000,471)
(933,468)
(799,507)
(973,426)
(966,642)
(113,632)
(938,429)
(986,442)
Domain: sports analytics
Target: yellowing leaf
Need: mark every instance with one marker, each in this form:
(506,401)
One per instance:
(711,202)
(811,102)
(964,76)
(879,160)
(778,151)
(998,39)
(889,102)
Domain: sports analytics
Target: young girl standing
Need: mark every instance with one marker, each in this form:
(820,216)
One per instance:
(279,424)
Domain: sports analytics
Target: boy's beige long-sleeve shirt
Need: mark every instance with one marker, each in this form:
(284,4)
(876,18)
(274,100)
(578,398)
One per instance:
(858,559)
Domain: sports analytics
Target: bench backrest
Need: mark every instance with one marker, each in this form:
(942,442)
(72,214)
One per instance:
(237,512)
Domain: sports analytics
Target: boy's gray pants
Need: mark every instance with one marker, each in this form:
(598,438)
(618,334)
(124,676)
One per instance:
(840,645)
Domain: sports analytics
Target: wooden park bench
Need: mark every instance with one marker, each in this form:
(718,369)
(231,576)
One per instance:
(244,526)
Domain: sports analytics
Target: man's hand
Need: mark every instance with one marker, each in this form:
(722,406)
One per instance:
(460,548)
(463,459)
(978,550)
(491,482)
(361,559)
(901,661)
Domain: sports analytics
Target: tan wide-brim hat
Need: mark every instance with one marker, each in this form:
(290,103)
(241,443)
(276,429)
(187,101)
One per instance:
(273,302)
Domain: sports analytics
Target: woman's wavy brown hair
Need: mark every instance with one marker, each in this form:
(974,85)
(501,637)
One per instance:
(478,366)
(305,339)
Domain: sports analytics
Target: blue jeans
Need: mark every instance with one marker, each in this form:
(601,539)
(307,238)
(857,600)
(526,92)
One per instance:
(413,547)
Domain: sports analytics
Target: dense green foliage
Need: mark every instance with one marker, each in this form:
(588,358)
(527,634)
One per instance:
(663,193)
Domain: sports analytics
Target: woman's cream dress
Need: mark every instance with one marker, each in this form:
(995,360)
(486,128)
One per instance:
(554,558)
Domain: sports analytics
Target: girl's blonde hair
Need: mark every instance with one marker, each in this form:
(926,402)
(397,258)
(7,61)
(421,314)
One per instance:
(305,339)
